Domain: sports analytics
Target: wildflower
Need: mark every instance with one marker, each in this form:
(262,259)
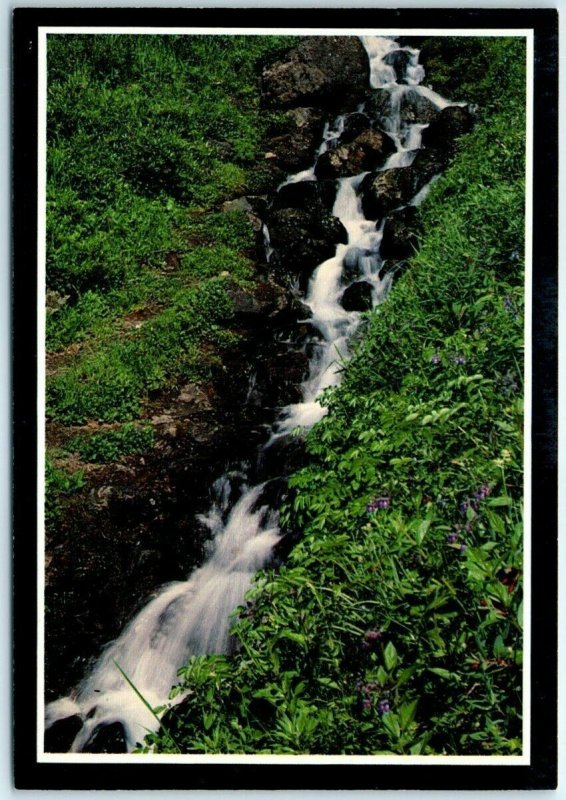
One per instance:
(378,503)
(435,359)
(366,703)
(464,507)
(452,537)
(383,707)
(459,360)
(463,548)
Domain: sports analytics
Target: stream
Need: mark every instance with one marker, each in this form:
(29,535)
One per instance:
(192,617)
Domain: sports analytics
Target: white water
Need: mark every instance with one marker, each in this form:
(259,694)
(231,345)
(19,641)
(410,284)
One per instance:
(192,617)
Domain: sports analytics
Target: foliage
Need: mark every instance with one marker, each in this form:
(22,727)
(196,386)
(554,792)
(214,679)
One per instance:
(110,445)
(396,624)
(58,483)
(145,135)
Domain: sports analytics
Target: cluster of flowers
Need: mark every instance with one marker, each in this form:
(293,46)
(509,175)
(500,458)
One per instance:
(366,692)
(457,359)
(378,503)
(473,503)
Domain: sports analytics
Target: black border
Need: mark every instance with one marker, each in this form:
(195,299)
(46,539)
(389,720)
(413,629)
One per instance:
(542,773)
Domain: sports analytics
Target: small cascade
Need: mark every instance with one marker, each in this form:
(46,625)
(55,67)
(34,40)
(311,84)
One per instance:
(193,617)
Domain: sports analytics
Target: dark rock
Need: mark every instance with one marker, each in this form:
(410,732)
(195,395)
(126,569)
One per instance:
(453,121)
(316,197)
(357,297)
(107,739)
(59,737)
(354,124)
(302,241)
(296,147)
(368,150)
(384,191)
(327,71)
(279,375)
(399,60)
(413,107)
(258,307)
(400,234)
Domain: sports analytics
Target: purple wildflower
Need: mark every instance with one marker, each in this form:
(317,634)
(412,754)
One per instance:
(452,537)
(366,703)
(463,548)
(435,359)
(378,503)
(459,360)
(383,707)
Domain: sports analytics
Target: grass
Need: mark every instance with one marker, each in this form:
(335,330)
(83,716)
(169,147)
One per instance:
(396,624)
(146,135)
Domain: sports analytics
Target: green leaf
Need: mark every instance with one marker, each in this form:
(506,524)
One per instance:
(390,656)
(407,713)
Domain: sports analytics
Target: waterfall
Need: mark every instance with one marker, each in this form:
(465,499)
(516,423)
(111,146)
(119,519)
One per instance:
(192,617)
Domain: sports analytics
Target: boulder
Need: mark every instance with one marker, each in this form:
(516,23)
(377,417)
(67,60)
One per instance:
(414,108)
(302,240)
(400,234)
(316,197)
(327,71)
(357,297)
(354,124)
(369,150)
(295,148)
(258,307)
(453,121)
(399,60)
(383,191)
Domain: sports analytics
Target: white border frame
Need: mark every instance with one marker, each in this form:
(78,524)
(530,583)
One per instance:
(129,758)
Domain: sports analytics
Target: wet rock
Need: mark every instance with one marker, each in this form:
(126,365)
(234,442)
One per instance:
(399,60)
(356,262)
(413,107)
(295,149)
(357,297)
(316,197)
(354,124)
(400,234)
(107,739)
(302,241)
(453,121)
(384,191)
(279,374)
(327,71)
(59,737)
(368,150)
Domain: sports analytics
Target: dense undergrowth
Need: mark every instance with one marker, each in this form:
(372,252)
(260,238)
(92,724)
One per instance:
(396,624)
(146,135)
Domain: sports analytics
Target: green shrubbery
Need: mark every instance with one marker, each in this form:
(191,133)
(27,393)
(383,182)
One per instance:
(396,624)
(145,135)
(110,445)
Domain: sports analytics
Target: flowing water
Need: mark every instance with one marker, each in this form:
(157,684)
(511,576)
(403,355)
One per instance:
(192,617)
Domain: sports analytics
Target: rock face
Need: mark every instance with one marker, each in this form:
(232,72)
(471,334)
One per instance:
(368,150)
(315,197)
(328,71)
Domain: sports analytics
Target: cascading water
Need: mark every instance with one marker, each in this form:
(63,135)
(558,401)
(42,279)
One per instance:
(193,617)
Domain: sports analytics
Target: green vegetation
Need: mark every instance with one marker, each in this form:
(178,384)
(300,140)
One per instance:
(110,445)
(145,135)
(396,624)
(58,483)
